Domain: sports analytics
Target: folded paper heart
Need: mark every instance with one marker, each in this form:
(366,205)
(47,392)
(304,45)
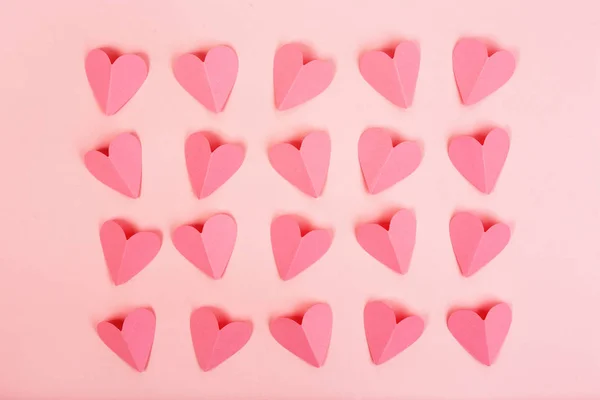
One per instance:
(480,164)
(394,78)
(211,80)
(114,84)
(209,249)
(392,247)
(306,167)
(126,257)
(384,164)
(121,169)
(294,81)
(209,169)
(386,336)
(481,337)
(308,340)
(293,251)
(476,73)
(133,341)
(213,344)
(473,246)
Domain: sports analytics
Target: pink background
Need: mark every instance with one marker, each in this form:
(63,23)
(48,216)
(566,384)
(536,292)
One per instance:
(54,286)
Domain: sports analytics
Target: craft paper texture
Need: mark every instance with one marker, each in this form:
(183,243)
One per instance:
(54,285)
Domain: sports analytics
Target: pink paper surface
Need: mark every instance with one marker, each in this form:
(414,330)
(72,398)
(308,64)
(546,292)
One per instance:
(127,256)
(480,71)
(482,336)
(480,163)
(121,167)
(393,246)
(297,79)
(209,167)
(474,244)
(214,344)
(387,335)
(309,337)
(395,78)
(383,162)
(132,340)
(209,80)
(54,286)
(305,167)
(294,250)
(208,249)
(114,81)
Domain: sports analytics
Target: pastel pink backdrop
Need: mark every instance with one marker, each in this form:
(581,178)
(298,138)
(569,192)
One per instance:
(54,285)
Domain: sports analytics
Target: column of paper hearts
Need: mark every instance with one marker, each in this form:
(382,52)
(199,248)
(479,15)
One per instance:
(480,163)
(305,166)
(120,168)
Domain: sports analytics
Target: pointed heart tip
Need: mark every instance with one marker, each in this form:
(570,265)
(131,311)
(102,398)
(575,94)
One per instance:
(285,276)
(140,368)
(314,362)
(467,102)
(205,368)
(374,189)
(118,282)
(213,108)
(376,359)
(466,273)
(282,107)
(313,194)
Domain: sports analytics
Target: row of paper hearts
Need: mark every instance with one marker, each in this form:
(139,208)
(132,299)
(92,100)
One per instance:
(308,335)
(210,79)
(209,246)
(306,165)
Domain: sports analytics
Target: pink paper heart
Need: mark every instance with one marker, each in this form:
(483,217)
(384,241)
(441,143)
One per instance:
(394,78)
(385,336)
(480,164)
(477,74)
(210,249)
(121,170)
(209,81)
(482,338)
(214,345)
(133,342)
(474,247)
(308,340)
(124,257)
(306,168)
(209,169)
(296,82)
(383,164)
(392,247)
(294,252)
(114,84)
